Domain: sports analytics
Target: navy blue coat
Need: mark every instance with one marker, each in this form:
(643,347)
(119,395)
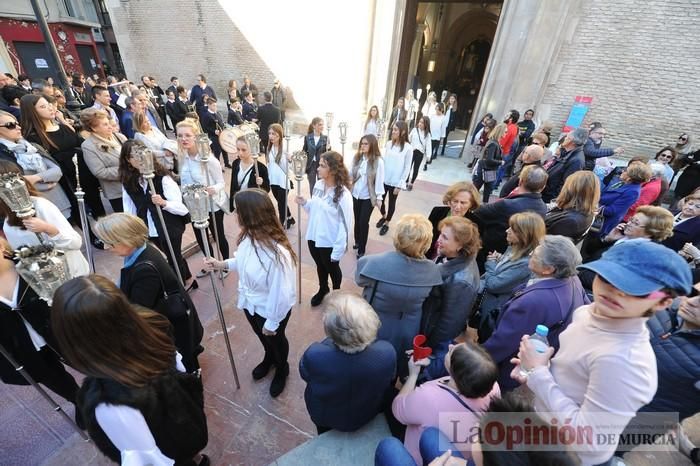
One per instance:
(685,232)
(678,365)
(345,391)
(593,151)
(567,164)
(617,202)
(546,302)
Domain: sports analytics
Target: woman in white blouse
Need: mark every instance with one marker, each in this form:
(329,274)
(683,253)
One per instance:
(163,148)
(419,138)
(328,231)
(438,129)
(277,170)
(48,222)
(397,163)
(141,202)
(192,171)
(372,122)
(266,267)
(429,105)
(138,404)
(367,187)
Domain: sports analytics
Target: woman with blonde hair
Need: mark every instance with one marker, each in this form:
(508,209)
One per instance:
(101,152)
(397,282)
(505,272)
(491,160)
(349,374)
(367,187)
(575,207)
(277,169)
(460,200)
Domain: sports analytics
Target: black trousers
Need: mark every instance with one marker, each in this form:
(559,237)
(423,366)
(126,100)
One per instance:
(218,151)
(218,220)
(362,210)
(117,204)
(325,266)
(57,379)
(436,147)
(276,346)
(444,143)
(417,159)
(391,197)
(280,195)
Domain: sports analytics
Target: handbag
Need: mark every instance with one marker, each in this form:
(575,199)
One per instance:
(598,221)
(489,175)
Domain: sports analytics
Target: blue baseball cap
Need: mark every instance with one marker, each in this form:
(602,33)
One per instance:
(639,267)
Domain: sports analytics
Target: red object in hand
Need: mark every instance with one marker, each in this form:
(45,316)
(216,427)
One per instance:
(419,351)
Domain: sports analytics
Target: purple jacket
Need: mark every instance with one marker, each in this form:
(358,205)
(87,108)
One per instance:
(546,302)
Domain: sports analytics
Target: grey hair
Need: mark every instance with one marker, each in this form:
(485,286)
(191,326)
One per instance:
(129,101)
(657,169)
(349,321)
(559,252)
(579,136)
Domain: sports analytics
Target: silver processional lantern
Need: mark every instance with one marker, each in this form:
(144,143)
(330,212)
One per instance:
(343,132)
(14,193)
(196,199)
(288,128)
(329,124)
(44,268)
(253,140)
(203,146)
(146,162)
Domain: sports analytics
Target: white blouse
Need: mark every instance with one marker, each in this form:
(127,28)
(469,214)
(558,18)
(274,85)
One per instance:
(438,126)
(159,144)
(329,223)
(68,240)
(397,164)
(191,172)
(277,171)
(266,286)
(420,141)
(372,127)
(172,196)
(360,190)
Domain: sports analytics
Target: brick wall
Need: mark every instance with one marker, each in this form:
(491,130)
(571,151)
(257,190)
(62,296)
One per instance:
(640,61)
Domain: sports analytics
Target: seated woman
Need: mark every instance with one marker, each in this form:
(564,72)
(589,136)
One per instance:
(553,265)
(48,221)
(397,282)
(469,389)
(686,224)
(620,194)
(349,375)
(147,279)
(575,206)
(163,148)
(650,190)
(460,200)
(667,157)
(507,271)
(456,247)
(139,406)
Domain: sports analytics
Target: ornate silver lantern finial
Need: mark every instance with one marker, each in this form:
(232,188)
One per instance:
(196,199)
(44,268)
(203,146)
(299,164)
(13,191)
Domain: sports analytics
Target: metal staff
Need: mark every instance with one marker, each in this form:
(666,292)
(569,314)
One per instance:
(84,224)
(419,92)
(202,141)
(343,130)
(44,269)
(329,125)
(14,193)
(288,128)
(253,141)
(147,169)
(197,199)
(299,167)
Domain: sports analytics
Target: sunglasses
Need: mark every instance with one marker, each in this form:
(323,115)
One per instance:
(10,125)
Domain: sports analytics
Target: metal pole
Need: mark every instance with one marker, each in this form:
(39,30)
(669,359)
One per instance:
(176,266)
(204,159)
(286,183)
(219,309)
(84,224)
(299,239)
(56,407)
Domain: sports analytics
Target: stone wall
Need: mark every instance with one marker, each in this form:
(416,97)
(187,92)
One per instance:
(640,61)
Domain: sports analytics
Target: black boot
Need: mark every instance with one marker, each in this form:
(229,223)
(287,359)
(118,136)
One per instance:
(318,297)
(262,369)
(279,381)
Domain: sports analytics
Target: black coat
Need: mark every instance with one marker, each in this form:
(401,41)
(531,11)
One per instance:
(176,110)
(235,118)
(267,115)
(235,187)
(436,216)
(560,169)
(250,111)
(569,223)
(314,151)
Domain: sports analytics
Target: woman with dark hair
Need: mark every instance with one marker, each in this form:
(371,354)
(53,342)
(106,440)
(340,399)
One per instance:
(419,139)
(397,163)
(372,122)
(150,136)
(48,222)
(667,157)
(315,144)
(138,404)
(367,187)
(25,333)
(438,126)
(246,172)
(451,118)
(398,113)
(141,202)
(101,152)
(278,169)
(62,143)
(688,160)
(266,263)
(468,390)
(330,216)
(576,206)
(460,200)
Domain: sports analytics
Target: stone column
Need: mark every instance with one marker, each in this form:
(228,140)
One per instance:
(415,53)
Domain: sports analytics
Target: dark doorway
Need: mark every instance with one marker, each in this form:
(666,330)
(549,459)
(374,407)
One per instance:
(36,61)
(88,59)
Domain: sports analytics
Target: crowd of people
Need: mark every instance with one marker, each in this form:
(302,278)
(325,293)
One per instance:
(603,256)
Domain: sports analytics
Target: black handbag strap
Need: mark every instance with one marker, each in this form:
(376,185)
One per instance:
(374,291)
(180,289)
(565,317)
(461,401)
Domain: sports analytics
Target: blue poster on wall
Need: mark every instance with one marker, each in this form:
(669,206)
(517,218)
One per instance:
(578,112)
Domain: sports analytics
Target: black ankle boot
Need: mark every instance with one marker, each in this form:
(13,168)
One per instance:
(318,297)
(279,381)
(262,369)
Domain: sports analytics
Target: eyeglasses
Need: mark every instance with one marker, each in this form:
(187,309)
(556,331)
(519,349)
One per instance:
(10,125)
(683,138)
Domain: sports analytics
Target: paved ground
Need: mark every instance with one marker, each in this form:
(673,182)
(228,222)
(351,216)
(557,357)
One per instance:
(246,426)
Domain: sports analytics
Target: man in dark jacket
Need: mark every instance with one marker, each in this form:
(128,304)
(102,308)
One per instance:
(267,115)
(199,92)
(531,155)
(495,216)
(250,109)
(592,149)
(569,159)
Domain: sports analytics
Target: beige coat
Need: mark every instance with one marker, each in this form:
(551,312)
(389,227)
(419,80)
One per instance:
(104,164)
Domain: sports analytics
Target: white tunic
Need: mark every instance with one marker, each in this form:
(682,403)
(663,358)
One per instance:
(360,189)
(277,171)
(397,164)
(329,223)
(420,141)
(191,171)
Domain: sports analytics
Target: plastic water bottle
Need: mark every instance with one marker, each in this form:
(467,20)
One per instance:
(540,342)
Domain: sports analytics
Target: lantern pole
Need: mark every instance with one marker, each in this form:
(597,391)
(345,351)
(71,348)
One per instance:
(287,137)
(196,198)
(84,224)
(204,151)
(299,166)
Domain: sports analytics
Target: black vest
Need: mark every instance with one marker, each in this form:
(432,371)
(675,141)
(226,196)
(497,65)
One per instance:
(142,201)
(172,405)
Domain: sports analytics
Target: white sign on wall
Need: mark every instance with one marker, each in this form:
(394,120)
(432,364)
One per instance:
(40,63)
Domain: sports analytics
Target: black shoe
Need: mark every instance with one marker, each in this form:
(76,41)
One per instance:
(355,246)
(262,369)
(425,167)
(97,243)
(227,165)
(409,187)
(279,381)
(318,297)
(205,461)
(360,254)
(381,222)
(383,229)
(290,222)
(193,286)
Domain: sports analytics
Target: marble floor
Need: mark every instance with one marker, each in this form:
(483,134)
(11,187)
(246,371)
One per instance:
(246,426)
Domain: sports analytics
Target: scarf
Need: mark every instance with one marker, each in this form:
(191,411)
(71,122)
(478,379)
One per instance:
(28,156)
(107,144)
